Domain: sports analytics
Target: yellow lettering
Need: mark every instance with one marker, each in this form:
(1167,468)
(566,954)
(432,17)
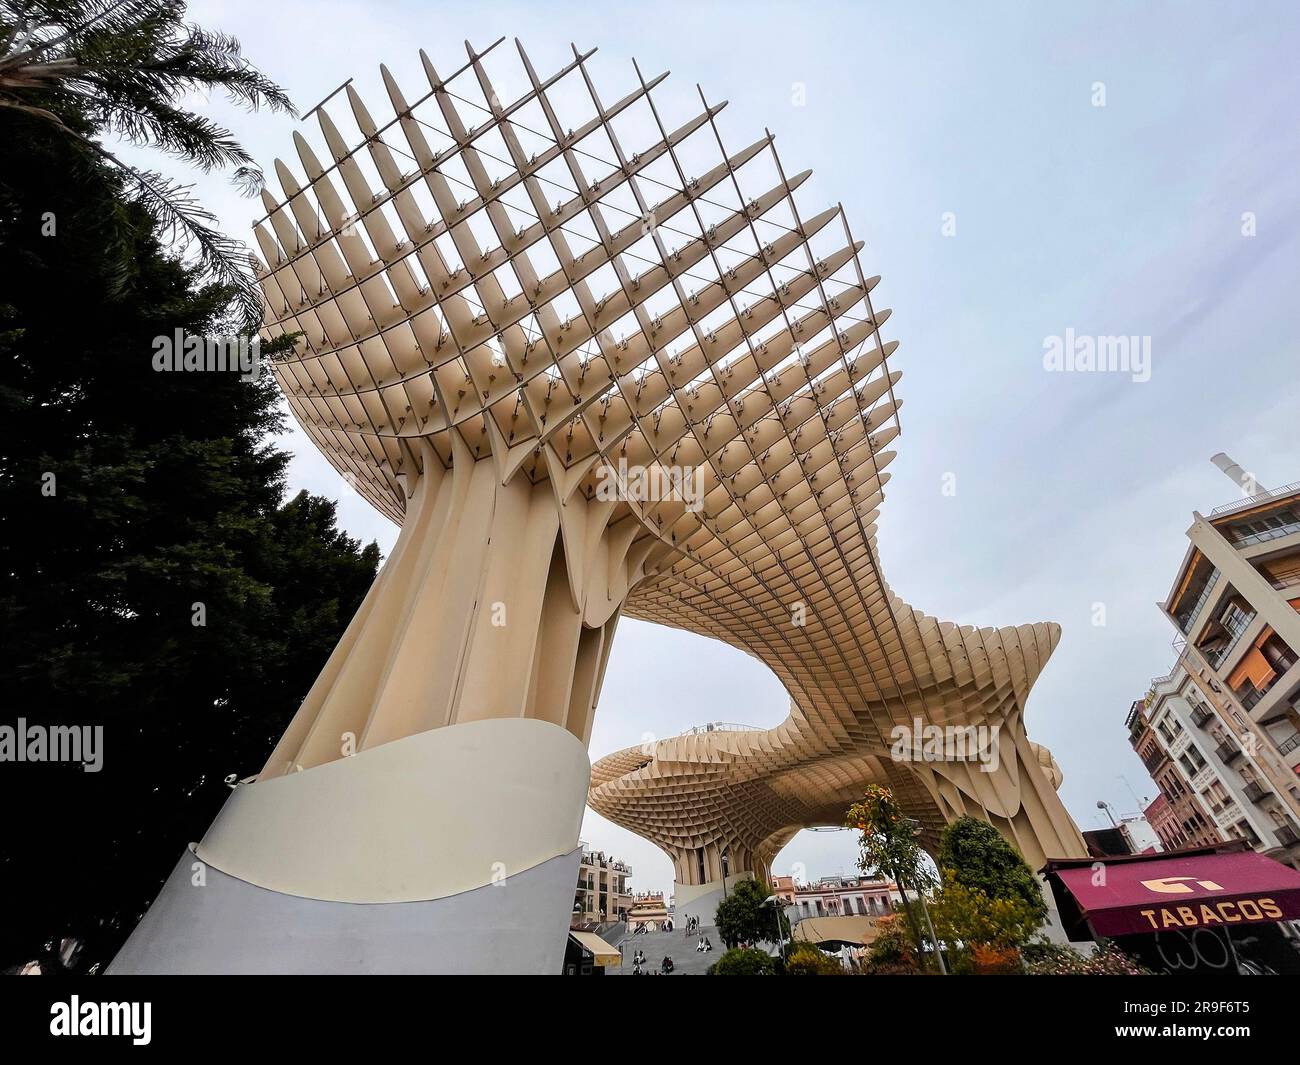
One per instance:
(1223,907)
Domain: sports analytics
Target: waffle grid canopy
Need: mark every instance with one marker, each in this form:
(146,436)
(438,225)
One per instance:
(550,284)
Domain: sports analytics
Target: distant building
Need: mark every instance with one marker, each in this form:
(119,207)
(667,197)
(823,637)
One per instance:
(648,910)
(1191,823)
(1107,842)
(1142,837)
(1133,835)
(602,894)
(1164,822)
(835,897)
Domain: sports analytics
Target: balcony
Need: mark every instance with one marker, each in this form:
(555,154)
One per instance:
(1201,714)
(1228,751)
(1248,695)
(1287,746)
(1256,792)
(1153,761)
(1286,836)
(1219,649)
(1187,612)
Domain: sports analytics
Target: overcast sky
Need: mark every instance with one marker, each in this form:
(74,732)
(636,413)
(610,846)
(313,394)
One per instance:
(1072,489)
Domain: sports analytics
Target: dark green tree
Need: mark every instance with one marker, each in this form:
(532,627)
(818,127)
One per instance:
(743,916)
(976,855)
(127,498)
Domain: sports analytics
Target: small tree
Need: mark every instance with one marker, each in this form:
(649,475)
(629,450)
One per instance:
(742,916)
(744,961)
(889,848)
(976,855)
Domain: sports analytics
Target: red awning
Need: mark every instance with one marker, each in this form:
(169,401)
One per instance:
(1141,894)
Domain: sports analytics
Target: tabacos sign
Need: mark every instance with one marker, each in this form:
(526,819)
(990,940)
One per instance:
(1206,913)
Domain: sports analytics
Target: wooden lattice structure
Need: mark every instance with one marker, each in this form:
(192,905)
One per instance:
(497,302)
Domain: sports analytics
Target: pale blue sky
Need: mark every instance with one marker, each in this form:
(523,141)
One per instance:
(1072,489)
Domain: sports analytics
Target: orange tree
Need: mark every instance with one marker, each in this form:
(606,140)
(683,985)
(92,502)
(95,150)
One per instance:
(889,848)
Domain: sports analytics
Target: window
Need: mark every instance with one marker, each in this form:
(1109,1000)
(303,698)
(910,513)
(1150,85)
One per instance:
(1281,522)
(1236,618)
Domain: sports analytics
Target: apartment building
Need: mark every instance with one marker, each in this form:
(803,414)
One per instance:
(602,893)
(1186,821)
(1224,725)
(1164,822)
(649,909)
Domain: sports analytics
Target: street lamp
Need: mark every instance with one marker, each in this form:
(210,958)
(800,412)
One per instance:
(1102,804)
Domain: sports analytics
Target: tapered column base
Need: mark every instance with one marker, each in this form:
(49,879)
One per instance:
(229,926)
(450,851)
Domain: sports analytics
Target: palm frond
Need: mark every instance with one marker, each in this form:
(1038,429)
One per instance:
(189,226)
(123,67)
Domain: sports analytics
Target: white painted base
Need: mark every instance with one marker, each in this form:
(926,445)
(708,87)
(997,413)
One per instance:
(228,927)
(450,851)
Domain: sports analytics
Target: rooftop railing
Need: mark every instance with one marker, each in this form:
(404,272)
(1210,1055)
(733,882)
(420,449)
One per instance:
(1255,500)
(721,726)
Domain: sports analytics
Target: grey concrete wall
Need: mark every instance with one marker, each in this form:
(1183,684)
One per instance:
(230,926)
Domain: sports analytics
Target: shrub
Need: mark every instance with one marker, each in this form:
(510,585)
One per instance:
(805,959)
(1050,959)
(892,953)
(892,945)
(966,915)
(995,961)
(743,961)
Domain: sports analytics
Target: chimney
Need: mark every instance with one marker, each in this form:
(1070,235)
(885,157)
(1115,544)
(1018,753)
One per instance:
(1245,481)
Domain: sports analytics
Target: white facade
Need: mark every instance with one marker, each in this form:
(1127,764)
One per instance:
(836,897)
(1219,785)
(1139,833)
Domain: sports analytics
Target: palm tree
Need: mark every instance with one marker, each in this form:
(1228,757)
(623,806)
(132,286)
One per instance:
(122,67)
